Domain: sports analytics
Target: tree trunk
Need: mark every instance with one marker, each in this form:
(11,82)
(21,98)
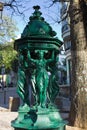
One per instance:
(78,112)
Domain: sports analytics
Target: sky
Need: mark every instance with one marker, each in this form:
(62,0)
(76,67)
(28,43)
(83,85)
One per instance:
(50,14)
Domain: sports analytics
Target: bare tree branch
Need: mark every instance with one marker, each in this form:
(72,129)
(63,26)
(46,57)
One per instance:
(56,20)
(16,7)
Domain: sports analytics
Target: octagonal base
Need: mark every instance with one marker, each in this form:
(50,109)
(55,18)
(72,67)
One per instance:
(42,119)
(61,128)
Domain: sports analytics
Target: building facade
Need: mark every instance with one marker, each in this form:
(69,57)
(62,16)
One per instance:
(67,46)
(66,39)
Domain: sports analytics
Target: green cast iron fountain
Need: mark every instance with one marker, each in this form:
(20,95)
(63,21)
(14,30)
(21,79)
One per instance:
(38,49)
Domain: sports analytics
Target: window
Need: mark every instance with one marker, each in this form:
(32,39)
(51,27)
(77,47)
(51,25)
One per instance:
(65,27)
(67,45)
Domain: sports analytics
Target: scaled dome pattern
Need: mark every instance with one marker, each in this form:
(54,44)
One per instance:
(37,26)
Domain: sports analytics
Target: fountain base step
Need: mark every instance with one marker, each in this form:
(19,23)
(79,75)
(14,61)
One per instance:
(43,119)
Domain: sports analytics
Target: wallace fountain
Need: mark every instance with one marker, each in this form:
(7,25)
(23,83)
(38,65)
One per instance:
(38,50)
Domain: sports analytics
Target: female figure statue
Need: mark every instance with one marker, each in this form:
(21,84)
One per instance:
(53,87)
(41,76)
(22,85)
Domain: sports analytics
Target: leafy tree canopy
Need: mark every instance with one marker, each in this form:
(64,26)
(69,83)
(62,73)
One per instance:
(7,33)
(7,30)
(7,55)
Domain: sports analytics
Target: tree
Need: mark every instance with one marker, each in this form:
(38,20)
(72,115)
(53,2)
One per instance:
(7,33)
(7,29)
(15,7)
(7,55)
(19,7)
(78,112)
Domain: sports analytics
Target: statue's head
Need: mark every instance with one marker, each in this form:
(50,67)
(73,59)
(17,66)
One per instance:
(41,54)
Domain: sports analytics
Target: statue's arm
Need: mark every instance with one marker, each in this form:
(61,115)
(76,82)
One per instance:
(21,59)
(29,57)
(52,57)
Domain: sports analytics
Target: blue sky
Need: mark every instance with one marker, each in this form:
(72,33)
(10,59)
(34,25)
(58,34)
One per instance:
(50,14)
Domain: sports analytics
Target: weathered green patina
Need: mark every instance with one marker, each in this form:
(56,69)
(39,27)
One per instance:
(38,49)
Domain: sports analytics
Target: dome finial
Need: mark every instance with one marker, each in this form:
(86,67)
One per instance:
(37,7)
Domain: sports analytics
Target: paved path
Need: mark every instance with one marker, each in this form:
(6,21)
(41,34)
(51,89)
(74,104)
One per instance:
(5,120)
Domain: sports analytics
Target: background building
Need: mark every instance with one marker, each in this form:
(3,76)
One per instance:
(66,40)
(62,66)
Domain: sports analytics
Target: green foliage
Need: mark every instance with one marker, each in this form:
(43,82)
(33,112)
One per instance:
(7,55)
(7,33)
(7,30)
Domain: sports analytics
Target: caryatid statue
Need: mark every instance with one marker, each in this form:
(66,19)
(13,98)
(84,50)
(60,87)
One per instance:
(41,76)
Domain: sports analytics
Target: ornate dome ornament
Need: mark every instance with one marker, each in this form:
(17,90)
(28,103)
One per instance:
(37,25)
